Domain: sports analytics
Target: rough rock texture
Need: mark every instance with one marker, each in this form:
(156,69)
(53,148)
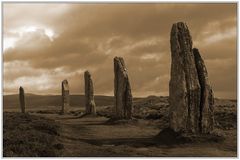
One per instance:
(122,90)
(185,87)
(22,99)
(89,97)
(65,95)
(207,99)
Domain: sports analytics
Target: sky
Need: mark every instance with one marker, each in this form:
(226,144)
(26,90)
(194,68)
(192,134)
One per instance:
(45,43)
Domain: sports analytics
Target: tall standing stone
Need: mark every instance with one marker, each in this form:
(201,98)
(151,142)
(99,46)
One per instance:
(190,94)
(207,99)
(89,94)
(65,95)
(122,90)
(184,87)
(22,99)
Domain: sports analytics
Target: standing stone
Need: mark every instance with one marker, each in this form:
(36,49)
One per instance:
(22,99)
(65,95)
(207,99)
(122,90)
(190,94)
(89,97)
(184,87)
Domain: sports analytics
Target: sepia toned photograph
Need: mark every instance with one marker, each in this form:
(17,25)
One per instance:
(104,79)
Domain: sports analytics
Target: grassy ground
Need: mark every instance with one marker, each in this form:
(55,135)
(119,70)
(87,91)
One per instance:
(95,136)
(27,135)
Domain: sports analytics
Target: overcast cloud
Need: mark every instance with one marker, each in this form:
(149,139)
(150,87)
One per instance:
(46,43)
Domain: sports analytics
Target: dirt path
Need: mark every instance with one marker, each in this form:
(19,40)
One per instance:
(92,136)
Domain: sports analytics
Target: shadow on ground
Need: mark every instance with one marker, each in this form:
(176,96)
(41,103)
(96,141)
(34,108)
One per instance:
(147,142)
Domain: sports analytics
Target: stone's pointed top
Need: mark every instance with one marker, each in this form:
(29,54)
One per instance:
(182,24)
(181,39)
(65,81)
(180,27)
(196,51)
(21,89)
(120,62)
(118,58)
(65,85)
(87,73)
(197,55)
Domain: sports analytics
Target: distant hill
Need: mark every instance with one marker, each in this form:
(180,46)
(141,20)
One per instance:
(32,100)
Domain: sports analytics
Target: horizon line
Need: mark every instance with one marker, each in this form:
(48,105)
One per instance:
(76,94)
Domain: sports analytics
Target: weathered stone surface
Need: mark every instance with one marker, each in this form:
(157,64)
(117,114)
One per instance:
(207,99)
(65,95)
(190,94)
(22,99)
(89,94)
(184,87)
(122,90)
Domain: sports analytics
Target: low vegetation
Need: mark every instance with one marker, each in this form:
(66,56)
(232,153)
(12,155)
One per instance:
(157,108)
(27,135)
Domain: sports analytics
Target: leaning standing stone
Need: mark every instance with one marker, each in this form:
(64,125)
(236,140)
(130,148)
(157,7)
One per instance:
(22,99)
(122,90)
(89,94)
(65,95)
(207,99)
